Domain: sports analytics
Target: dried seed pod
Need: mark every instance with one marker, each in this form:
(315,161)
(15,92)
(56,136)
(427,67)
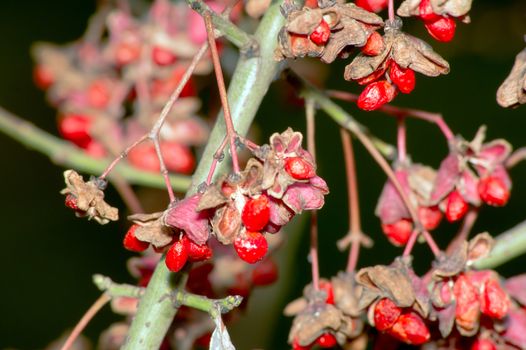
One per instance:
(512,92)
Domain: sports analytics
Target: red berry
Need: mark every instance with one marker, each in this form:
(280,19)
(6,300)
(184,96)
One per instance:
(374,45)
(403,78)
(430,217)
(296,346)
(143,156)
(411,329)
(375,95)
(251,247)
(398,232)
(386,313)
(127,52)
(299,168)
(372,5)
(442,29)
(320,35)
(43,77)
(311,4)
(177,157)
(95,149)
(99,94)
(195,251)
(493,191)
(456,207)
(426,12)
(75,128)
(176,256)
(327,287)
(494,301)
(265,273)
(163,56)
(483,344)
(326,340)
(132,243)
(71,202)
(468,306)
(256,213)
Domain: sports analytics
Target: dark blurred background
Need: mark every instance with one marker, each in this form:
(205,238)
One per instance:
(48,256)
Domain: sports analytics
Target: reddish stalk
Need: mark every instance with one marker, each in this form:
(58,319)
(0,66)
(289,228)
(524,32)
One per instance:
(463,234)
(401,140)
(311,147)
(516,157)
(355,226)
(86,318)
(218,155)
(391,10)
(121,156)
(391,175)
(231,133)
(399,112)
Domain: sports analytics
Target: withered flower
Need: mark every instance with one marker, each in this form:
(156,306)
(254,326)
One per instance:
(89,198)
(512,92)
(151,229)
(349,25)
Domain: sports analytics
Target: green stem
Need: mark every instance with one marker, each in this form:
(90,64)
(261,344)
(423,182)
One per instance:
(63,153)
(245,42)
(249,84)
(198,302)
(508,246)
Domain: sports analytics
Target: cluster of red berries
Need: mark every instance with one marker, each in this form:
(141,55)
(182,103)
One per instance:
(442,28)
(401,323)
(109,91)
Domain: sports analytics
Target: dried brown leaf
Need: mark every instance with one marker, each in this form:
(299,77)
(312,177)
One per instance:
(512,92)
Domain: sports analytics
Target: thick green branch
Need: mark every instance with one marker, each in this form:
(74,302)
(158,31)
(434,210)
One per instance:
(508,246)
(67,155)
(245,42)
(249,84)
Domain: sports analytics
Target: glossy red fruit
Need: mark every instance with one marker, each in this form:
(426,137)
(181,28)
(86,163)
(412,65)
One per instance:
(467,312)
(326,340)
(163,56)
(178,158)
(375,95)
(256,213)
(132,243)
(327,287)
(320,35)
(43,77)
(75,128)
(411,329)
(176,256)
(386,313)
(311,4)
(195,251)
(374,45)
(372,5)
(265,273)
(442,29)
(430,217)
(127,52)
(98,94)
(456,207)
(399,232)
(403,78)
(426,13)
(296,346)
(493,191)
(143,156)
(71,202)
(483,344)
(251,246)
(494,301)
(299,168)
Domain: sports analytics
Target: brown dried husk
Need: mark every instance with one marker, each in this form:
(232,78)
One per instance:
(151,229)
(512,92)
(454,8)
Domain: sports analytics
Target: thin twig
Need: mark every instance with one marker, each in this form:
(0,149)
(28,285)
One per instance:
(401,137)
(516,157)
(88,316)
(399,112)
(355,235)
(218,157)
(231,132)
(311,147)
(463,234)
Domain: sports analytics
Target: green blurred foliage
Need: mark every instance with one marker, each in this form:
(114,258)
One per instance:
(49,256)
